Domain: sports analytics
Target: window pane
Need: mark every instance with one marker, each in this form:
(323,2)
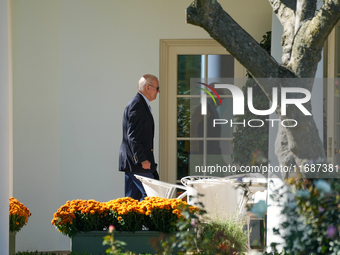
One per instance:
(196,156)
(225,112)
(196,118)
(220,66)
(219,154)
(187,107)
(220,70)
(189,66)
(185,157)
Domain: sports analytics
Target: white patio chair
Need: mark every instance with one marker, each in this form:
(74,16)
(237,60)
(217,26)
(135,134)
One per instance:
(224,196)
(156,188)
(220,197)
(250,194)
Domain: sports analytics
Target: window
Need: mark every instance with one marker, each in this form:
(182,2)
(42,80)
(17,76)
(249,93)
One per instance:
(186,140)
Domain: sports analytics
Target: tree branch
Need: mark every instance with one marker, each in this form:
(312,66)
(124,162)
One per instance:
(305,9)
(323,22)
(235,39)
(285,12)
(309,41)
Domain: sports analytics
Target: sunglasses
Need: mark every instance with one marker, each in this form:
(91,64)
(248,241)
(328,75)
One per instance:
(154,87)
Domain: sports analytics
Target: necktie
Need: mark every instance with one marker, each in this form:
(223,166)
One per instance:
(150,108)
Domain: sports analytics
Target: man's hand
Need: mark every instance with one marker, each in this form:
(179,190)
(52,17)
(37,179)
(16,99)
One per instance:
(146,164)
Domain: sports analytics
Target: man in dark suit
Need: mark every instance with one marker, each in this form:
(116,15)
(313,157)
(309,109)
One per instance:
(136,151)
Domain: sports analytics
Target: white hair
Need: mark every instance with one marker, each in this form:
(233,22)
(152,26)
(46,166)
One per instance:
(146,79)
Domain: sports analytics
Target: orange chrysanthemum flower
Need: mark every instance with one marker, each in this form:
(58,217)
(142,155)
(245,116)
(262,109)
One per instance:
(126,209)
(18,214)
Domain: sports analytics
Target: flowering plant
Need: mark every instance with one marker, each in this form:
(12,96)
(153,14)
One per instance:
(115,246)
(163,213)
(81,215)
(126,214)
(18,215)
(311,208)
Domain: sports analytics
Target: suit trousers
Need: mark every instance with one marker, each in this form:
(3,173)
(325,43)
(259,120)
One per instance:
(133,187)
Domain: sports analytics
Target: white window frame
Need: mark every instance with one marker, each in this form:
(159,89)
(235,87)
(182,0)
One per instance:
(169,50)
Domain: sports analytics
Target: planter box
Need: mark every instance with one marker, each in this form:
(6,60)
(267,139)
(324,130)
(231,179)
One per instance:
(92,242)
(12,242)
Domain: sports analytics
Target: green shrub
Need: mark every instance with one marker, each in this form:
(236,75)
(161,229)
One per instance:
(196,235)
(312,211)
(72,253)
(43,253)
(227,233)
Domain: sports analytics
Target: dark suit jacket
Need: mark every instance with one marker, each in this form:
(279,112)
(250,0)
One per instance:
(138,134)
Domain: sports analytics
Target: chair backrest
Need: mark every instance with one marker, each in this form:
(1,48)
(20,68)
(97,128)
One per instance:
(220,198)
(155,188)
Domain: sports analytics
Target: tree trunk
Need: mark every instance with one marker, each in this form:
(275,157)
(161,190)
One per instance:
(304,35)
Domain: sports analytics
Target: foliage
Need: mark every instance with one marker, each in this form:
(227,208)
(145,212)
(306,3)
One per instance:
(278,253)
(163,213)
(126,214)
(46,253)
(229,233)
(82,215)
(266,42)
(72,253)
(38,253)
(196,236)
(249,140)
(312,210)
(18,215)
(115,246)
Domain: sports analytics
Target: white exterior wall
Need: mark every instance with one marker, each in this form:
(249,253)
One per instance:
(5,124)
(76,66)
